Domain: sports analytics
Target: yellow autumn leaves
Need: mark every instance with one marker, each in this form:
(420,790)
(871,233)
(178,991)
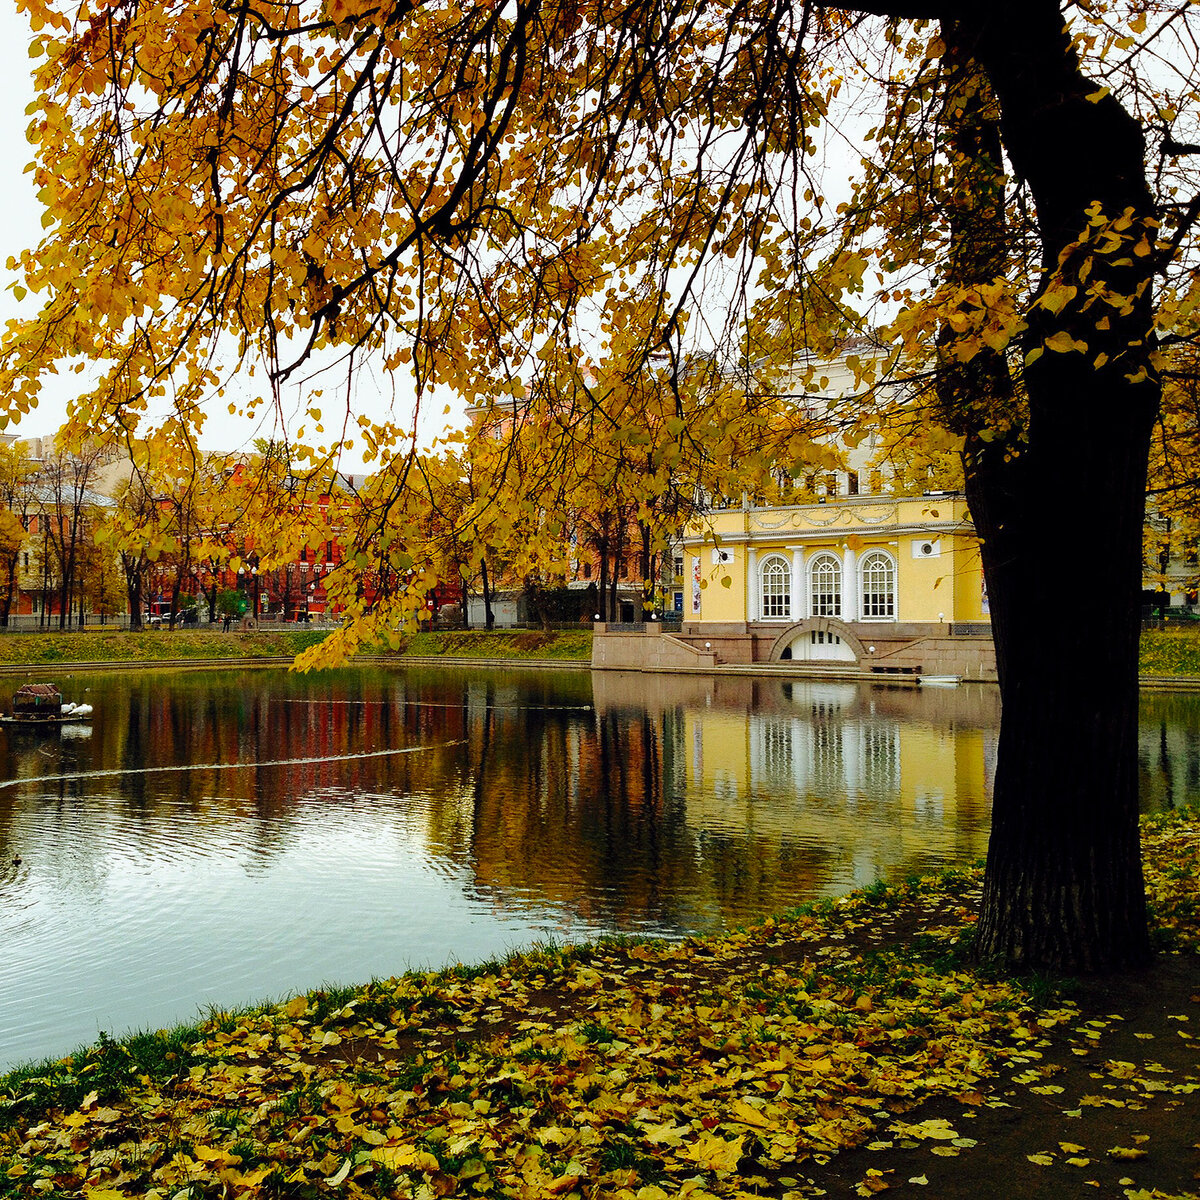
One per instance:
(728,1067)
(690,1069)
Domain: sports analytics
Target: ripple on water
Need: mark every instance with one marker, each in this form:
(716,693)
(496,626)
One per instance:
(376,821)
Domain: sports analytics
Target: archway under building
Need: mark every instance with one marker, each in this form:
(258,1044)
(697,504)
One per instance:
(817,639)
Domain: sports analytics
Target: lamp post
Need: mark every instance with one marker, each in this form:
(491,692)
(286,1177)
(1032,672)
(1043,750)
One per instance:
(250,581)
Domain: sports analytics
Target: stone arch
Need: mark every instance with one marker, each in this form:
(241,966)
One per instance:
(848,648)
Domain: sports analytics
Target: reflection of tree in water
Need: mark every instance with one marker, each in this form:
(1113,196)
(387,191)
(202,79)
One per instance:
(569,806)
(184,758)
(1168,750)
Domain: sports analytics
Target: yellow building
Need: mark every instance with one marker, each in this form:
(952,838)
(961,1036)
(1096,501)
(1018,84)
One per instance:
(883,583)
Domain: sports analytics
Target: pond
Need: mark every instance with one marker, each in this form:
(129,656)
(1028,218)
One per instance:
(220,838)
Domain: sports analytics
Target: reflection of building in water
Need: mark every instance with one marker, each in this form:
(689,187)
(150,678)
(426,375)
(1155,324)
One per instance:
(831,765)
(822,754)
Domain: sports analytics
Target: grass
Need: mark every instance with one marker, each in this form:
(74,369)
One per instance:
(125,646)
(119,646)
(108,1068)
(1170,652)
(566,645)
(1163,652)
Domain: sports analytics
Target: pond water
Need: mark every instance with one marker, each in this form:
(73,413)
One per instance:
(224,838)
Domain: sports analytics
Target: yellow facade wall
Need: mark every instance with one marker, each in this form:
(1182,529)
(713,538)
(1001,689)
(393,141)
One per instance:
(720,601)
(944,586)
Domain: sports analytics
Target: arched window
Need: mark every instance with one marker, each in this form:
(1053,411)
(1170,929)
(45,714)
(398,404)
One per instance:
(878,573)
(776,589)
(825,578)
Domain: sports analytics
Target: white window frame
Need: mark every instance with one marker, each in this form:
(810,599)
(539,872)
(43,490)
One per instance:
(828,602)
(775,588)
(874,599)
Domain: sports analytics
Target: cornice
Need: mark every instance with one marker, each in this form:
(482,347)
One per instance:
(790,533)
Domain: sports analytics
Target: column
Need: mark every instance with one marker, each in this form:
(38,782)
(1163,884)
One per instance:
(799,591)
(752,585)
(849,585)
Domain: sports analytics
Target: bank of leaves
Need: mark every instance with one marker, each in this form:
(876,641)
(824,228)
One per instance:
(723,1067)
(1171,849)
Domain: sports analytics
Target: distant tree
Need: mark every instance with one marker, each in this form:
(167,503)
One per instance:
(67,497)
(232,603)
(17,505)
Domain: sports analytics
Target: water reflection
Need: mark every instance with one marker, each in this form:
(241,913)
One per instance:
(221,838)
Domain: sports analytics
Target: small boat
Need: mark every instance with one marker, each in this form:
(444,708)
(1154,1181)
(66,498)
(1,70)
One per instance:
(40,706)
(939,680)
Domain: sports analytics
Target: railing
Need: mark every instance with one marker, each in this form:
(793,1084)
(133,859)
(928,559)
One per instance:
(27,623)
(665,625)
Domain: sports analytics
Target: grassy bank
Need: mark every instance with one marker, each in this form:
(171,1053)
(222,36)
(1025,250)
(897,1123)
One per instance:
(568,645)
(124,646)
(1170,652)
(845,1048)
(119,646)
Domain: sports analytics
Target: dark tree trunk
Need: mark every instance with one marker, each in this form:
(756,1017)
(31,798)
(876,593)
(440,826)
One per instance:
(489,617)
(614,583)
(133,591)
(44,618)
(10,590)
(1063,888)
(646,560)
(602,551)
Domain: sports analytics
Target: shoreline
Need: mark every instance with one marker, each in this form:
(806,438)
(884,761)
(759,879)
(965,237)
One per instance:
(1146,682)
(833,1049)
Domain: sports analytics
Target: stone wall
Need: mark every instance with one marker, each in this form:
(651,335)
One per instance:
(909,649)
(652,650)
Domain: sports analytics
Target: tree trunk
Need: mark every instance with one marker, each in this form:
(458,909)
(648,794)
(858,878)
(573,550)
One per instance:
(133,591)
(646,561)
(1063,886)
(45,579)
(602,552)
(10,590)
(489,617)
